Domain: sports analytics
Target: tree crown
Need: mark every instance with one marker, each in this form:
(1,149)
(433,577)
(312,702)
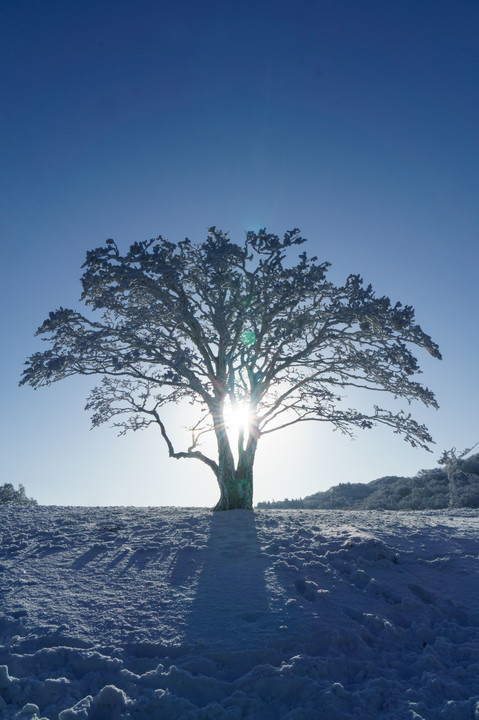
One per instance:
(217,322)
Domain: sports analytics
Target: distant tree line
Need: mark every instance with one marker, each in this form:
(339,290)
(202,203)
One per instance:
(454,485)
(8,495)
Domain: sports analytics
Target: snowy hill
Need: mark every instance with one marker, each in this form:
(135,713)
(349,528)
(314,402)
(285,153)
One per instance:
(428,490)
(145,613)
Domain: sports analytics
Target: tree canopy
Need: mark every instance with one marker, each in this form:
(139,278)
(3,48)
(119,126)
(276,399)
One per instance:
(236,330)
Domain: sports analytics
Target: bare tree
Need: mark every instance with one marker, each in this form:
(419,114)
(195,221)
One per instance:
(238,331)
(458,479)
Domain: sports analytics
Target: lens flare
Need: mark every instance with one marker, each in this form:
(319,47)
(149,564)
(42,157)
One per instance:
(248,338)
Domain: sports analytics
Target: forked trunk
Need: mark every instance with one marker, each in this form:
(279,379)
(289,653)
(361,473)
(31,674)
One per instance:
(235,480)
(236,488)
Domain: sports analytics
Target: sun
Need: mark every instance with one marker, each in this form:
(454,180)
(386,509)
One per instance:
(237,419)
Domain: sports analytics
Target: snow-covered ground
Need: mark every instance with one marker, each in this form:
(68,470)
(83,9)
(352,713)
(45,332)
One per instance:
(183,613)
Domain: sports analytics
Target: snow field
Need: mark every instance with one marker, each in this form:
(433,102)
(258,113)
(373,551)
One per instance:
(132,613)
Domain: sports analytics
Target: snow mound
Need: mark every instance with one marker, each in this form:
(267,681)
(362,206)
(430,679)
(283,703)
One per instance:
(140,613)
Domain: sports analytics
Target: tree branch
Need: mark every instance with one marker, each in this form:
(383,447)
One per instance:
(189,454)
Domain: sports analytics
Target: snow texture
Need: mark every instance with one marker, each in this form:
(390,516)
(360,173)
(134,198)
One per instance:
(144,613)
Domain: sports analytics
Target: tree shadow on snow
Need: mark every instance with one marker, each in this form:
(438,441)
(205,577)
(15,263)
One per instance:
(230,608)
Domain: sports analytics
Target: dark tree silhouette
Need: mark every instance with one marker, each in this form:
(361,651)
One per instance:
(232,328)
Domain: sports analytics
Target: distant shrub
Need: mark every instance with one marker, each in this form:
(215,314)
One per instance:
(471,465)
(8,495)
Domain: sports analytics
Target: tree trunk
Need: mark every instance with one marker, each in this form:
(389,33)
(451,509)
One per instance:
(235,482)
(236,490)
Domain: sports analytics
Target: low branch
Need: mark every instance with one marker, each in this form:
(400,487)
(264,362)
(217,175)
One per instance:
(189,454)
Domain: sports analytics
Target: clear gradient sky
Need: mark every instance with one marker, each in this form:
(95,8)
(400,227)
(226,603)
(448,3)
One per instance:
(354,120)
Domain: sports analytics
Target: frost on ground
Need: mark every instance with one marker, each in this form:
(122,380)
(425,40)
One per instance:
(145,613)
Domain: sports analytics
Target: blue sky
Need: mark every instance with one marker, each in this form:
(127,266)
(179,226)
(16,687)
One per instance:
(354,121)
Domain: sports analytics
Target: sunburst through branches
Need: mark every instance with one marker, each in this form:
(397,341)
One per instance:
(238,421)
